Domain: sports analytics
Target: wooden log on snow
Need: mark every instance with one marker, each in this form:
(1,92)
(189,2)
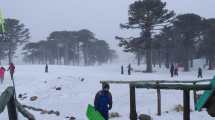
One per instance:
(24,112)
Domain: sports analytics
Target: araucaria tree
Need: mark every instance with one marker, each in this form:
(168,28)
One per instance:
(147,15)
(15,34)
(189,27)
(207,48)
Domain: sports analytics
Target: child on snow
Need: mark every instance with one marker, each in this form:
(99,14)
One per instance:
(103,101)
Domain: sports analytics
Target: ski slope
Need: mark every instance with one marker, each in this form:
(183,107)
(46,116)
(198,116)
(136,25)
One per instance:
(75,95)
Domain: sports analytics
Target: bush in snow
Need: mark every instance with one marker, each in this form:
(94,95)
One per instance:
(144,117)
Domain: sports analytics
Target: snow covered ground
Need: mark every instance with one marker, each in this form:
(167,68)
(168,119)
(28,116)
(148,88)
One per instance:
(75,95)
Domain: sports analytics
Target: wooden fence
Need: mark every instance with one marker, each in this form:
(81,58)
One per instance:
(185,86)
(8,99)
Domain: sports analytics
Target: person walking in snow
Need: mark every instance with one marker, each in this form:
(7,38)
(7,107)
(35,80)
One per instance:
(46,68)
(2,70)
(172,68)
(176,70)
(129,69)
(103,101)
(12,70)
(122,70)
(200,72)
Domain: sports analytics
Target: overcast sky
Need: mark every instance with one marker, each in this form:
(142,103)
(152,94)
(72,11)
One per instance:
(100,16)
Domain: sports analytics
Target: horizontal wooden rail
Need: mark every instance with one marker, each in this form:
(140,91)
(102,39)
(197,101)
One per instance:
(154,81)
(205,80)
(174,86)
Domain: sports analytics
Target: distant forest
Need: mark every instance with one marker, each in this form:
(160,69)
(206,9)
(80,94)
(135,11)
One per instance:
(61,47)
(165,38)
(69,47)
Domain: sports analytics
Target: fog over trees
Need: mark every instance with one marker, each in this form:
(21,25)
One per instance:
(165,38)
(61,47)
(69,47)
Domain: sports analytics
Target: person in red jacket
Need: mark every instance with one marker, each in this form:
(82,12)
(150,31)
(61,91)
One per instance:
(2,70)
(12,69)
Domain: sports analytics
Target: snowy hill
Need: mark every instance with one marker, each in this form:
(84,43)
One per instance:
(75,94)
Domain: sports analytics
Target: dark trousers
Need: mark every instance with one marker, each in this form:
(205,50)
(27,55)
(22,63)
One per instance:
(172,74)
(11,74)
(129,72)
(199,75)
(105,115)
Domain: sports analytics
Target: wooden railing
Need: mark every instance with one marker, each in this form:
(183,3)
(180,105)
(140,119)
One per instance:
(154,81)
(186,86)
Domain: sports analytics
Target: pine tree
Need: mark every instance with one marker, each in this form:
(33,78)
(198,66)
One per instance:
(146,15)
(15,35)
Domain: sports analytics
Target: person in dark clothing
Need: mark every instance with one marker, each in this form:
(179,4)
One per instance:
(46,68)
(200,73)
(172,70)
(122,70)
(103,101)
(176,71)
(12,70)
(129,69)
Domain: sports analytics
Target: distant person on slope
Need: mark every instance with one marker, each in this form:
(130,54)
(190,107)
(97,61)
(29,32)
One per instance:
(200,72)
(12,70)
(129,69)
(103,101)
(122,70)
(46,68)
(176,70)
(172,68)
(2,70)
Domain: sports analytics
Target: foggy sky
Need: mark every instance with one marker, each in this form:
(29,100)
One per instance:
(100,16)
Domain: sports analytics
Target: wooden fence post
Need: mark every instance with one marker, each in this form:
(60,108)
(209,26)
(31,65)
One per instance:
(194,96)
(186,97)
(11,106)
(158,99)
(133,113)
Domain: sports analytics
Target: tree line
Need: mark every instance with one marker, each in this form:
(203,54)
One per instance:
(61,47)
(69,47)
(167,38)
